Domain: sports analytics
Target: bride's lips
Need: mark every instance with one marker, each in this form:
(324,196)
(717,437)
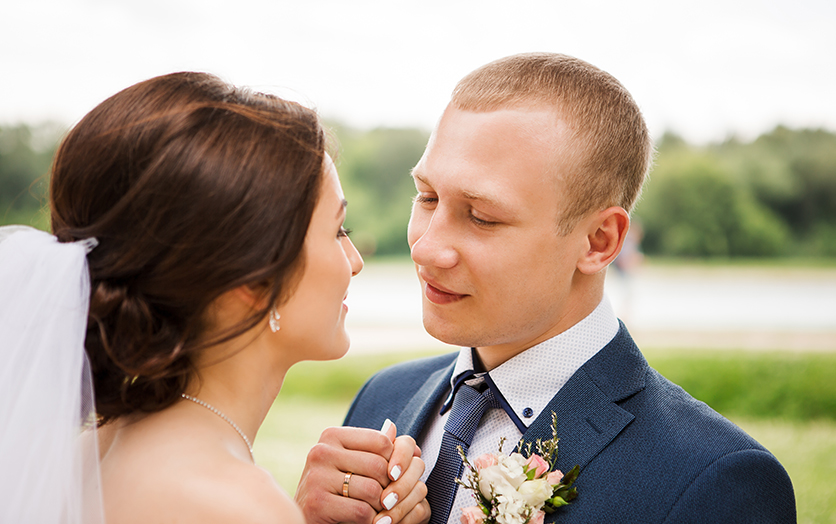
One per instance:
(439,295)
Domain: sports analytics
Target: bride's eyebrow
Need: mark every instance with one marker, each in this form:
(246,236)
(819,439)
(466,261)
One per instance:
(341,210)
(417,176)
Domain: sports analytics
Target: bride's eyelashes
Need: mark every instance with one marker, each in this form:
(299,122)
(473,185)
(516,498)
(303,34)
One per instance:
(343,232)
(424,199)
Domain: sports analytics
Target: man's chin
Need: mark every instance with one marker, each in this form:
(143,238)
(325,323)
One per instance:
(450,333)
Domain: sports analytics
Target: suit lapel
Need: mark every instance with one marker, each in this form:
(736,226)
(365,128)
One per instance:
(588,418)
(423,405)
(587,421)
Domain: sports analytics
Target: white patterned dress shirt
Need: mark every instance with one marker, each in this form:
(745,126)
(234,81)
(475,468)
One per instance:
(528,382)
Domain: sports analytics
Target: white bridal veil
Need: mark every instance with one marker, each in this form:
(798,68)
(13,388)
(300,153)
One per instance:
(49,470)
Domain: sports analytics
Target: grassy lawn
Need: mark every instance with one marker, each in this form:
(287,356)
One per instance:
(755,384)
(808,452)
(784,400)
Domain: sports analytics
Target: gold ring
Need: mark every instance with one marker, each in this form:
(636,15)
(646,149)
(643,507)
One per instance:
(346,480)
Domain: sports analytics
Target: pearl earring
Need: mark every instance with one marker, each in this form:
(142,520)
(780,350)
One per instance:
(274,319)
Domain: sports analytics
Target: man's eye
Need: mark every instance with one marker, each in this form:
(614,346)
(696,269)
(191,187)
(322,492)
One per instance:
(480,222)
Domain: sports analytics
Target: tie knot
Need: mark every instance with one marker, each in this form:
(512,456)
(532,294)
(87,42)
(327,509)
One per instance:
(468,407)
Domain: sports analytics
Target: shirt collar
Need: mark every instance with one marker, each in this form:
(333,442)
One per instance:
(530,380)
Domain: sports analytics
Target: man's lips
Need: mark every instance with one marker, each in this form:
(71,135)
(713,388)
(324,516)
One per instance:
(437,294)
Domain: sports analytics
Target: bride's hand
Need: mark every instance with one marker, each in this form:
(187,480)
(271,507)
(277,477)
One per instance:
(404,499)
(365,454)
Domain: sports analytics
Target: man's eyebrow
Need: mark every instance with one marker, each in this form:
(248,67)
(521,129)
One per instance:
(484,197)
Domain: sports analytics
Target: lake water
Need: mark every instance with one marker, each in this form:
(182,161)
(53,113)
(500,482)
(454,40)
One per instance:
(669,307)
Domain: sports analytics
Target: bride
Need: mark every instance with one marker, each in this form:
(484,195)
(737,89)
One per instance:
(211,221)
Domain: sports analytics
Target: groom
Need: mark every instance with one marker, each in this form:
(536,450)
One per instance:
(524,195)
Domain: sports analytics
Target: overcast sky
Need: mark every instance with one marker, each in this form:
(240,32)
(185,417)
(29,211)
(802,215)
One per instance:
(705,69)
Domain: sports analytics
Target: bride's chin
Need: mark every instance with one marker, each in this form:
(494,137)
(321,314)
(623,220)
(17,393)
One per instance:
(340,348)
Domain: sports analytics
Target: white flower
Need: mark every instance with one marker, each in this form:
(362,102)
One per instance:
(513,467)
(505,477)
(494,480)
(511,509)
(535,492)
(507,495)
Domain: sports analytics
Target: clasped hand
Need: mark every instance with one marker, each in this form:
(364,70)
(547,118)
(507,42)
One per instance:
(384,486)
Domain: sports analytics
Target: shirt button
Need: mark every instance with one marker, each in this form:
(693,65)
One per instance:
(528,412)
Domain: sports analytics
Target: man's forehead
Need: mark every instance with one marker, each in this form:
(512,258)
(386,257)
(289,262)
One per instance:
(514,203)
(481,169)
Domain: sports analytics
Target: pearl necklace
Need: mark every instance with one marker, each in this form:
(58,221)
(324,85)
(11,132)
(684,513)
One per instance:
(218,412)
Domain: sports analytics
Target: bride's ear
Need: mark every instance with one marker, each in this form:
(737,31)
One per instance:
(236,305)
(605,237)
(254,296)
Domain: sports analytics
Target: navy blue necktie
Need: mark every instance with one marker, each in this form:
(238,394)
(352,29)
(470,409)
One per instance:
(468,407)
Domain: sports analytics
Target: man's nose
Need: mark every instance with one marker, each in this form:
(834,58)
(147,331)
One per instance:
(435,245)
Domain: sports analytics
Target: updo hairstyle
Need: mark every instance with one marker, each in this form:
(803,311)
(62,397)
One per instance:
(192,187)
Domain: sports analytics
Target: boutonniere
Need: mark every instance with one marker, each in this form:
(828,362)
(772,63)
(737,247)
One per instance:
(519,488)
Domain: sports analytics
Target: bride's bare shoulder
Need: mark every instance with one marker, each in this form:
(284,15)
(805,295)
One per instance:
(220,492)
(150,477)
(245,494)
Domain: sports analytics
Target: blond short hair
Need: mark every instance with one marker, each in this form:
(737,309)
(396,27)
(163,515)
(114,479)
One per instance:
(610,150)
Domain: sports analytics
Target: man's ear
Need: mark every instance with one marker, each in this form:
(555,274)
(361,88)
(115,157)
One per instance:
(607,230)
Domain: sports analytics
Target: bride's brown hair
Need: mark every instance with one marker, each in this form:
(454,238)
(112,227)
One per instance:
(193,188)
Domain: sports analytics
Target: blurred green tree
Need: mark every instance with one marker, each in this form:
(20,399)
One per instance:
(375,167)
(694,207)
(25,155)
(793,173)
(772,196)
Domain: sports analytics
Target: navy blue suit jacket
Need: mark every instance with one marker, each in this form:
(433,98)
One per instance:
(648,451)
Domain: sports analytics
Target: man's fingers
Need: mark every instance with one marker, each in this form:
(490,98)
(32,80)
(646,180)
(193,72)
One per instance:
(345,510)
(365,453)
(358,439)
(339,461)
(363,489)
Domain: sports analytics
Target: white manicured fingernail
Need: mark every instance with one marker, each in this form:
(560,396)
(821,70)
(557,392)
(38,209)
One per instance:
(385,520)
(396,472)
(386,426)
(390,500)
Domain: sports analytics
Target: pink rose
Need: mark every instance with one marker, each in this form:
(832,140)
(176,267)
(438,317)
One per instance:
(537,518)
(474,515)
(485,461)
(538,465)
(555,477)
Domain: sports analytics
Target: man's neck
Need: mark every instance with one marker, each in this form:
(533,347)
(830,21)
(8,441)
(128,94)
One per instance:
(494,356)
